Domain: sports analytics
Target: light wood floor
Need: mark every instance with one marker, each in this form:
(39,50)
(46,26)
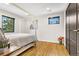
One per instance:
(46,49)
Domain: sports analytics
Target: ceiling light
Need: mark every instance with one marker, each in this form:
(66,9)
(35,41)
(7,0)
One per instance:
(7,3)
(48,8)
(26,14)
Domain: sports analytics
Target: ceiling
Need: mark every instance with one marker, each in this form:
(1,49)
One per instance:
(34,9)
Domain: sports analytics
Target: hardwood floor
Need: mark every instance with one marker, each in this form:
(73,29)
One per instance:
(46,49)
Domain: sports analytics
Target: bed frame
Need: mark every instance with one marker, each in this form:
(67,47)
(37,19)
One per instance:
(18,50)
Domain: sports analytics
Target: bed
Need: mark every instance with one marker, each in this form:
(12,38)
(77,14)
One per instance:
(20,40)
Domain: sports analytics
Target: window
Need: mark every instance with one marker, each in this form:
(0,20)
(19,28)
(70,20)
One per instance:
(7,24)
(54,20)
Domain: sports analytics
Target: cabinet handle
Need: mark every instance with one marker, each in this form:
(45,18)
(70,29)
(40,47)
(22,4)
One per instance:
(78,30)
(75,30)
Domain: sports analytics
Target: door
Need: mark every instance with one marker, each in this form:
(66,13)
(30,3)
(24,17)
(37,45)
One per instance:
(73,32)
(78,30)
(67,31)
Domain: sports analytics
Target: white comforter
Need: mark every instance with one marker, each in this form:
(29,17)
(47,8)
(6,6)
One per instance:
(20,39)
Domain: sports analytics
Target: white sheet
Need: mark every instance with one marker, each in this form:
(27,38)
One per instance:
(20,39)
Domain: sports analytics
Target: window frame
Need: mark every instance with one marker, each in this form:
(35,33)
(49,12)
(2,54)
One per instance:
(13,23)
(51,18)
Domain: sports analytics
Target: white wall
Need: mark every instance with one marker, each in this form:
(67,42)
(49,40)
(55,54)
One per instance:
(20,23)
(47,32)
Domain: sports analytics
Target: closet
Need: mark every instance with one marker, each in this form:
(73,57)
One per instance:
(72,29)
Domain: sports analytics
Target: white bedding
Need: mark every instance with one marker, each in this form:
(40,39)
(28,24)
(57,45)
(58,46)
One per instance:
(20,39)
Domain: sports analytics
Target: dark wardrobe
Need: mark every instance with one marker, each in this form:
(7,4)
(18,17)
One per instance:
(72,29)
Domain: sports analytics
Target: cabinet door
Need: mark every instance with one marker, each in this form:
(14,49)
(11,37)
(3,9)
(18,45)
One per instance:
(73,27)
(67,30)
(78,43)
(78,31)
(72,13)
(73,48)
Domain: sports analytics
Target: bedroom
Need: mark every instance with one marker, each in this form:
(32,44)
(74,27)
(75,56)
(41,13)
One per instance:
(25,29)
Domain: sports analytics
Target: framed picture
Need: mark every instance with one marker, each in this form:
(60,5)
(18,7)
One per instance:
(54,20)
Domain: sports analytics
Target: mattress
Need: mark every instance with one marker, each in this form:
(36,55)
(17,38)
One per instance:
(20,39)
